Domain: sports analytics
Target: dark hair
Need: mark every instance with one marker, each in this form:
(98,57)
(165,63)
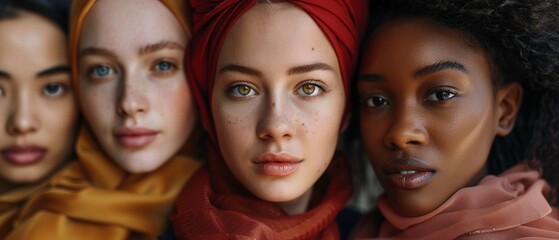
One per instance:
(53,10)
(522,39)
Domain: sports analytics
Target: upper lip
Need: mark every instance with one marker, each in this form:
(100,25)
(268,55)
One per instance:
(133,131)
(407,164)
(276,157)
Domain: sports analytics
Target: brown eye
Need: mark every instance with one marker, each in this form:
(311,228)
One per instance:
(241,90)
(376,101)
(244,90)
(309,89)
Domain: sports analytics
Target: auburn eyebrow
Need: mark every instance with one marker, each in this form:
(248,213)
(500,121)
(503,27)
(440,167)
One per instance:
(160,45)
(54,70)
(309,68)
(440,66)
(96,51)
(240,69)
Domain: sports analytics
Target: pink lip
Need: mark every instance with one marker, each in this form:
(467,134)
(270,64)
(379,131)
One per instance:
(409,173)
(23,155)
(135,137)
(277,164)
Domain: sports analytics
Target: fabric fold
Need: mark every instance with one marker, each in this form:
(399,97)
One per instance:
(509,206)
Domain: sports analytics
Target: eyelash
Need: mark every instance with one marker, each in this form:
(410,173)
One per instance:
(442,89)
(63,89)
(93,75)
(323,88)
(235,86)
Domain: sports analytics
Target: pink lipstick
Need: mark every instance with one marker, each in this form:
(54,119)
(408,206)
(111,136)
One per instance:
(409,173)
(277,164)
(23,155)
(136,137)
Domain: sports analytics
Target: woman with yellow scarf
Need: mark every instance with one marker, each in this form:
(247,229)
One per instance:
(129,77)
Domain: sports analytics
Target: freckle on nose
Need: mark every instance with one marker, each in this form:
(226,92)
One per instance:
(273,104)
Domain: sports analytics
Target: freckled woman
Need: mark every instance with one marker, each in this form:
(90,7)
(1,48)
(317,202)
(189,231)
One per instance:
(271,83)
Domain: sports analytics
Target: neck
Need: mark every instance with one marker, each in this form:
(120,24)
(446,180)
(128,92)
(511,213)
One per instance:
(298,205)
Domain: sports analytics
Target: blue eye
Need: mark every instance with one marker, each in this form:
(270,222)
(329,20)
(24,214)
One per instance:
(376,101)
(442,94)
(242,90)
(164,66)
(102,71)
(53,89)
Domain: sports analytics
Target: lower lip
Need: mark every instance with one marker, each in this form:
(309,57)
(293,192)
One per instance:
(136,141)
(277,169)
(410,181)
(23,158)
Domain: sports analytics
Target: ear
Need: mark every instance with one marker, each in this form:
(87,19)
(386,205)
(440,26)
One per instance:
(509,99)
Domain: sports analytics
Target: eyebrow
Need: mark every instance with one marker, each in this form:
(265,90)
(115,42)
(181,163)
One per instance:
(150,48)
(59,69)
(96,51)
(309,68)
(54,70)
(240,69)
(431,68)
(4,75)
(440,66)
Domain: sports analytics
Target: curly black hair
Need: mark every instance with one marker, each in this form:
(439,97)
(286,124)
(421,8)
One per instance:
(522,40)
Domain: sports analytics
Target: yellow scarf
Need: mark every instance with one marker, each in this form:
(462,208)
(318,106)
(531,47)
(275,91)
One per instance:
(93,198)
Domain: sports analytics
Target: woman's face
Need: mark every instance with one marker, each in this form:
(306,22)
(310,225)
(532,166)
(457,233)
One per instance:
(429,112)
(277,102)
(132,85)
(37,110)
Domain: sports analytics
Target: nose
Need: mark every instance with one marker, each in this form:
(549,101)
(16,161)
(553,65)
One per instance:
(275,121)
(133,101)
(406,130)
(22,118)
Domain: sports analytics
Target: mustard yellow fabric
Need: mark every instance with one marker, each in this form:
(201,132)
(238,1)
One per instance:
(92,197)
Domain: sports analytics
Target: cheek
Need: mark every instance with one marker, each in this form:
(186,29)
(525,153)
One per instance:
(175,107)
(98,105)
(61,117)
(235,126)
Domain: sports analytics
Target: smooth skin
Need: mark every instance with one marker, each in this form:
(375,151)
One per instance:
(428,97)
(37,110)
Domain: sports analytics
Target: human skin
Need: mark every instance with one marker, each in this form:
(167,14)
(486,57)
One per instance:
(429,111)
(36,101)
(277,103)
(132,84)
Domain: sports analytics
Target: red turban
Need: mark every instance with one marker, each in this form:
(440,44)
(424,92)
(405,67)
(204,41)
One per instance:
(213,204)
(342,21)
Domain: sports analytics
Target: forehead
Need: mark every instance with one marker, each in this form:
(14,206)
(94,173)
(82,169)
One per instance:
(129,23)
(419,40)
(276,33)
